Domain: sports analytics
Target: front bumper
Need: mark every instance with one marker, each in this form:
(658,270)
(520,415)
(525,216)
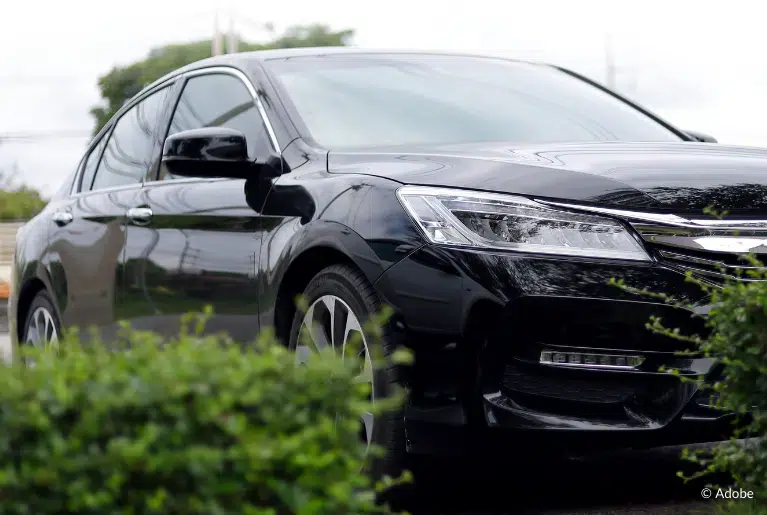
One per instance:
(479,321)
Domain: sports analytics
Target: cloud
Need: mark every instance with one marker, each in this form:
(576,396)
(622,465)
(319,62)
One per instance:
(690,61)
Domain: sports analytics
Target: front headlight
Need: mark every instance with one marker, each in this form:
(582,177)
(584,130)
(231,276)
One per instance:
(505,222)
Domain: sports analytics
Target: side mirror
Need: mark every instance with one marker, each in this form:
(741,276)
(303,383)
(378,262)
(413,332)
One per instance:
(700,136)
(212,152)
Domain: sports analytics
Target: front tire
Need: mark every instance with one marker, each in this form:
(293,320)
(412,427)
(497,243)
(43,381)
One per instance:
(342,294)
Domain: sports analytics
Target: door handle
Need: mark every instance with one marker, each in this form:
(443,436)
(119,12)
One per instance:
(62,218)
(140,215)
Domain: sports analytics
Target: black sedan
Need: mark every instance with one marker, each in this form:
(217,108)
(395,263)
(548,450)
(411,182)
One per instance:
(487,201)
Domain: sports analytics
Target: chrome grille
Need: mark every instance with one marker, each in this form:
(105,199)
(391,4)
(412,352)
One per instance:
(716,267)
(709,247)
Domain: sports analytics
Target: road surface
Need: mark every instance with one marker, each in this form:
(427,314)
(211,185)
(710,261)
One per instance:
(5,340)
(630,483)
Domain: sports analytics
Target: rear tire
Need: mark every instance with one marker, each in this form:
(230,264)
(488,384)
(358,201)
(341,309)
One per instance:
(41,326)
(353,289)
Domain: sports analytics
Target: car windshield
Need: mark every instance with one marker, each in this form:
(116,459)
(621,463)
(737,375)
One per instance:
(363,101)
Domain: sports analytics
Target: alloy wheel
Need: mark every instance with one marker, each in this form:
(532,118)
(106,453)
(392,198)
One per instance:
(330,323)
(42,331)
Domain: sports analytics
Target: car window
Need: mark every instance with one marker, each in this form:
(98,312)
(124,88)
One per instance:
(219,100)
(128,153)
(376,101)
(91,163)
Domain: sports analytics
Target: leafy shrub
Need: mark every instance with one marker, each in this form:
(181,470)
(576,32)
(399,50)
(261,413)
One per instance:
(737,338)
(19,203)
(195,425)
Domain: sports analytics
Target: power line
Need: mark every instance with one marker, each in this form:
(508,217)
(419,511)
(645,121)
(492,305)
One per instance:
(11,80)
(42,135)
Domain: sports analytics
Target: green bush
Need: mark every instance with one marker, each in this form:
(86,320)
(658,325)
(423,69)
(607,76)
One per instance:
(738,323)
(19,204)
(194,425)
(737,338)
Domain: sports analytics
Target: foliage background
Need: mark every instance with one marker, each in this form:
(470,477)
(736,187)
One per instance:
(123,82)
(20,202)
(17,201)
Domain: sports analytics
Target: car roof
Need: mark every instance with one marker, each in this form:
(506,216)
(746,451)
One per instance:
(285,53)
(239,58)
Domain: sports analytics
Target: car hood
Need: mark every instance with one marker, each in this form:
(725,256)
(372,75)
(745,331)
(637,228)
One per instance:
(679,177)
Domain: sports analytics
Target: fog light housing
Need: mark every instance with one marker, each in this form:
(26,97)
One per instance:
(593,360)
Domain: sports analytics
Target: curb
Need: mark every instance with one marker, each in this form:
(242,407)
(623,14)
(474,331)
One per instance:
(5,278)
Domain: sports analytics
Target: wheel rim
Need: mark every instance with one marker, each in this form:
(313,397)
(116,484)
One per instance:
(41,331)
(330,322)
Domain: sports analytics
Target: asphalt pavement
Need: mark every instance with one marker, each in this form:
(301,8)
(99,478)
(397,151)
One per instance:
(5,340)
(619,484)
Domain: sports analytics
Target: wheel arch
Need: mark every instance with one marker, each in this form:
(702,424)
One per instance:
(33,281)
(326,244)
(298,275)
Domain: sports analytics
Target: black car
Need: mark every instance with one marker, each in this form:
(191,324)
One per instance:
(488,201)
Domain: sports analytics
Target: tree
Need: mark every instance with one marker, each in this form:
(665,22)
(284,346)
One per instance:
(123,82)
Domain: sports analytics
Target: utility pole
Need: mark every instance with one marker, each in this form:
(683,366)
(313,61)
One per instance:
(609,62)
(231,46)
(629,75)
(216,45)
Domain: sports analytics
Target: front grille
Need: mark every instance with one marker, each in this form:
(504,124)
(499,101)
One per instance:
(599,389)
(706,398)
(709,246)
(714,266)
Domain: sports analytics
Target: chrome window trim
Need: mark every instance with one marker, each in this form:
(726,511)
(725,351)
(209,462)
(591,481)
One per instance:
(106,132)
(75,185)
(76,189)
(183,76)
(212,70)
(111,189)
(95,142)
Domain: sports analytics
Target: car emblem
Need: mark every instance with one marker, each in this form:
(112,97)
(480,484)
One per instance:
(731,244)
(761,248)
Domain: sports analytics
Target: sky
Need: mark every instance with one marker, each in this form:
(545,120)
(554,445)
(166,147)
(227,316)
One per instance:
(698,64)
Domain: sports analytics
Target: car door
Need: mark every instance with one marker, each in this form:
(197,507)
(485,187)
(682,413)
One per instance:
(201,237)
(89,227)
